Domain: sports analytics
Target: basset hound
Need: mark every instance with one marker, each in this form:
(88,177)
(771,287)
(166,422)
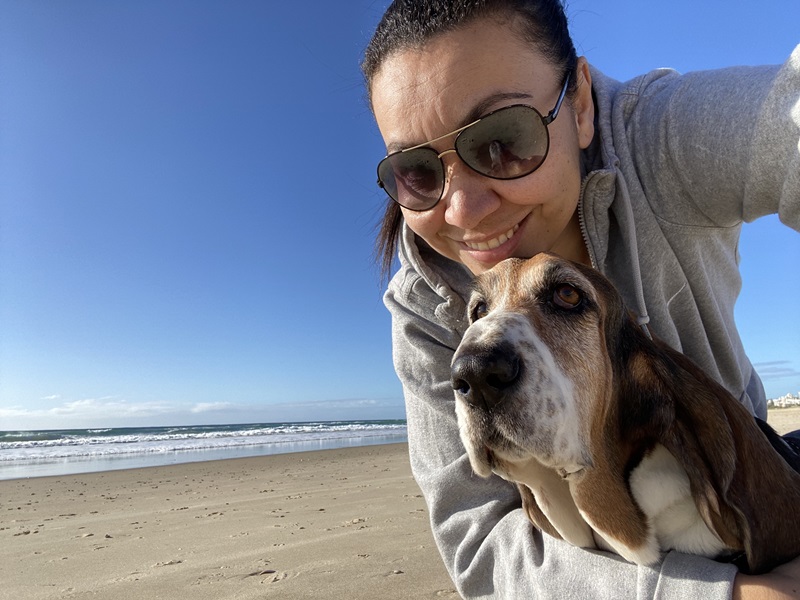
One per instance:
(615,440)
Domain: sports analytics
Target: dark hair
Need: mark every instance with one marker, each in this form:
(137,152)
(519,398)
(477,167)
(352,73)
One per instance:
(409,24)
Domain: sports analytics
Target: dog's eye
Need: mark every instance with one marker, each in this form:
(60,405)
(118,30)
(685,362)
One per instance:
(566,296)
(479,311)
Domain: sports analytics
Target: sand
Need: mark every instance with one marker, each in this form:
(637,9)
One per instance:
(345,523)
(331,524)
(784,420)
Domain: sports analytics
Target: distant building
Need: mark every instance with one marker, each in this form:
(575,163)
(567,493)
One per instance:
(784,401)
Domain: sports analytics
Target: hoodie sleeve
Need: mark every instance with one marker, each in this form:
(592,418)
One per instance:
(718,148)
(489,547)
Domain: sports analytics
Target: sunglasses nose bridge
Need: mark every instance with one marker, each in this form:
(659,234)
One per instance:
(447,169)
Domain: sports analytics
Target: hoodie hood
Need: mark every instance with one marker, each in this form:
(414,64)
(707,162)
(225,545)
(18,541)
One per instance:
(451,281)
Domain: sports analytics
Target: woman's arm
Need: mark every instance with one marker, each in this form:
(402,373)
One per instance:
(488,545)
(719,147)
(782,583)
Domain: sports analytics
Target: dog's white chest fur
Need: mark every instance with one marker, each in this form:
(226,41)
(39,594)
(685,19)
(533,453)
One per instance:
(661,488)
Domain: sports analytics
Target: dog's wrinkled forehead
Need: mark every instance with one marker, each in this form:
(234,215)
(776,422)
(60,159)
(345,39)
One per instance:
(516,283)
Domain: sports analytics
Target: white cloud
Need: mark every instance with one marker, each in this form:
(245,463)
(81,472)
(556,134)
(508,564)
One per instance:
(111,411)
(776,369)
(74,413)
(204,407)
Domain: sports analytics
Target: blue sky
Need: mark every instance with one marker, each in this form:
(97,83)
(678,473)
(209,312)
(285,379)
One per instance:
(188,203)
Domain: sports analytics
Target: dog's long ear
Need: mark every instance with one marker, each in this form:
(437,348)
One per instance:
(661,402)
(743,489)
(703,440)
(640,408)
(764,491)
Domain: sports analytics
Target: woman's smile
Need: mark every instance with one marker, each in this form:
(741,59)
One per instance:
(493,243)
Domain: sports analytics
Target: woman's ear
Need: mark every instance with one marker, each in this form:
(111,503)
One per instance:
(583,104)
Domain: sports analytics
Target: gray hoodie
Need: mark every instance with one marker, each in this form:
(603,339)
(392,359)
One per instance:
(679,162)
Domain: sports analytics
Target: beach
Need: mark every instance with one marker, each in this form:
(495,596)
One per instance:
(784,420)
(347,523)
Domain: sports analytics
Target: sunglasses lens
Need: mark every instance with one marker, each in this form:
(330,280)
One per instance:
(414,179)
(509,143)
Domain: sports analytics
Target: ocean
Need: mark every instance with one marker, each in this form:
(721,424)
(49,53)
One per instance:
(70,451)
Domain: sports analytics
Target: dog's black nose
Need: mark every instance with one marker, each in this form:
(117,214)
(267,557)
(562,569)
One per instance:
(481,378)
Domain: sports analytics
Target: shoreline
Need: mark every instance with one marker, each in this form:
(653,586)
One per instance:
(61,466)
(782,419)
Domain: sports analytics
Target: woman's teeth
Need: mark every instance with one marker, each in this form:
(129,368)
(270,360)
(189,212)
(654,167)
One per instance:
(494,243)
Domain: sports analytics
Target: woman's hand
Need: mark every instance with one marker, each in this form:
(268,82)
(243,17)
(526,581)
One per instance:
(781,583)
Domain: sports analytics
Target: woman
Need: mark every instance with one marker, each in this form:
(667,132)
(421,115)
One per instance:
(647,181)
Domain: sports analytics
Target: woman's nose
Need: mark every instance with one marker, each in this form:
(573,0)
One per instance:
(468,196)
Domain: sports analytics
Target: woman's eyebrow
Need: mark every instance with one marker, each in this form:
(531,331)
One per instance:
(488,103)
(478,111)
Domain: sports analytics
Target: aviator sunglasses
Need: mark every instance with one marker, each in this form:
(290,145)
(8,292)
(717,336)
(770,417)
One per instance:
(507,143)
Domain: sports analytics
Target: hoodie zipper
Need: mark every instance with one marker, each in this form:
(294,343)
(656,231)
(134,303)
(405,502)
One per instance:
(582,221)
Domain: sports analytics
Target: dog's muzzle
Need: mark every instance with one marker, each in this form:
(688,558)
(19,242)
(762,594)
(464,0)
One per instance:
(483,377)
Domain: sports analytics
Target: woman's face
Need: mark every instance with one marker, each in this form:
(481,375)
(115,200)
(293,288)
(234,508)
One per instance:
(419,95)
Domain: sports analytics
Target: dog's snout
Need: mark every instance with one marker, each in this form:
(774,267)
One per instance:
(481,378)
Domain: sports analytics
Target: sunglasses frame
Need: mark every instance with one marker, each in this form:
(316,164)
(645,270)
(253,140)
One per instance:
(546,120)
